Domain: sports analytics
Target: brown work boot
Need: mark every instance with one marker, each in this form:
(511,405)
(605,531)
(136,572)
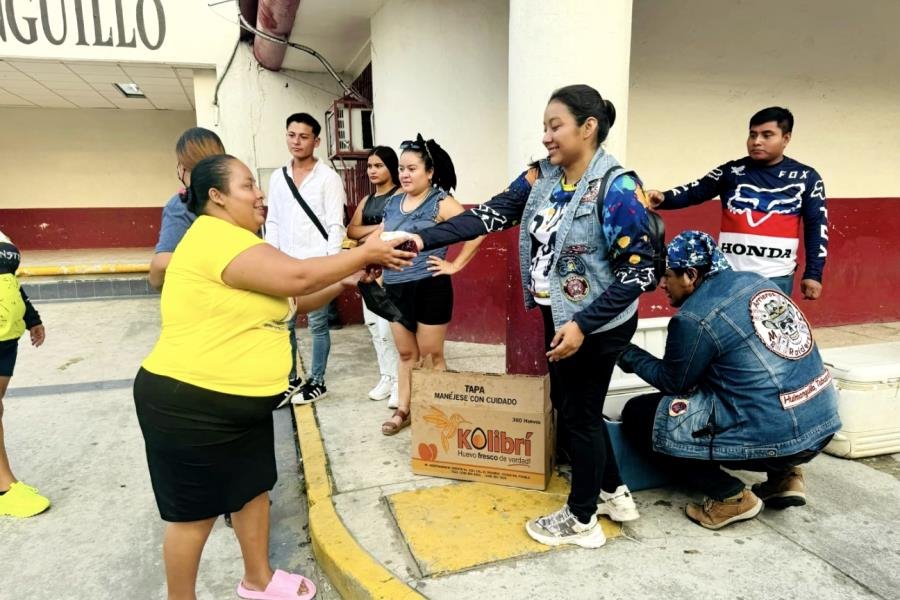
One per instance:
(715,514)
(781,491)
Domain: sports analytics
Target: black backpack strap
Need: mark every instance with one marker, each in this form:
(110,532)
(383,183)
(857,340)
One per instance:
(658,242)
(309,213)
(607,180)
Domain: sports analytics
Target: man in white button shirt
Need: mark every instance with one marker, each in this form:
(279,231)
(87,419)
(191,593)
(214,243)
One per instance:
(292,230)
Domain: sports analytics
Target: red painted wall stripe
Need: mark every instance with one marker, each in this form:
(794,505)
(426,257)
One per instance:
(70,228)
(862,270)
(861,273)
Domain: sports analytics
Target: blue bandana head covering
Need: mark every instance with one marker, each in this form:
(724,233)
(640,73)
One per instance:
(695,249)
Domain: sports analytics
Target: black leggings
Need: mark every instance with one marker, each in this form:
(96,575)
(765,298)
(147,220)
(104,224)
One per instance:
(578,387)
(704,475)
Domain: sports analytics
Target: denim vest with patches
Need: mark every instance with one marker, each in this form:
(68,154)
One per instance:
(423,216)
(580,270)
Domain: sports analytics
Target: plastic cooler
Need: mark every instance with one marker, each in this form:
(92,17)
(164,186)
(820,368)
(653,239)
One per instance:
(868,382)
(651,336)
(637,472)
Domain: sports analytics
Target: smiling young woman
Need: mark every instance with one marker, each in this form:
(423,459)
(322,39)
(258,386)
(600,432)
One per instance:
(423,293)
(585,258)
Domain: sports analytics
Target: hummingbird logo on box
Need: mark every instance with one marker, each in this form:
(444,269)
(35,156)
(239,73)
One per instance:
(472,439)
(445,424)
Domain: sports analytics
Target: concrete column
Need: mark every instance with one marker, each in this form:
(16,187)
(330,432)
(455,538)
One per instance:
(204,90)
(552,44)
(439,68)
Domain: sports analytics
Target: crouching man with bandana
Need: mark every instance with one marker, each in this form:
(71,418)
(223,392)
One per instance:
(741,386)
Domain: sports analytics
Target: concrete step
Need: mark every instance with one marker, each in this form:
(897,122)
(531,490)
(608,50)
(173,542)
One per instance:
(72,287)
(85,273)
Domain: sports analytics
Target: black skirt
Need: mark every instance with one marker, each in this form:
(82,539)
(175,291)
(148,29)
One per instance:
(209,453)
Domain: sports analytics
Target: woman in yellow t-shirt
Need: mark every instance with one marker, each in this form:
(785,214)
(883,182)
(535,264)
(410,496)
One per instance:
(204,396)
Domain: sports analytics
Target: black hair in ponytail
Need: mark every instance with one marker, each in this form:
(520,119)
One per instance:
(436,159)
(583,102)
(211,172)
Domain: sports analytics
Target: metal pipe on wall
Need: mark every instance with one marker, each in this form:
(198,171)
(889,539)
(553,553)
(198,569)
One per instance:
(275,17)
(248,9)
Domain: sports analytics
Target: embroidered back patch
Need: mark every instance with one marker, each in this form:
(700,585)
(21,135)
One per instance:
(780,325)
(807,392)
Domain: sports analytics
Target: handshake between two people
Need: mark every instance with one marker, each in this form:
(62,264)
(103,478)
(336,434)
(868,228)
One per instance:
(392,249)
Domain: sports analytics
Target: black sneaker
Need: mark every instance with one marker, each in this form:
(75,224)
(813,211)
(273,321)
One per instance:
(294,386)
(310,393)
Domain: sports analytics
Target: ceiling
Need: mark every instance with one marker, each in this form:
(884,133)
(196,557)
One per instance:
(337,29)
(55,84)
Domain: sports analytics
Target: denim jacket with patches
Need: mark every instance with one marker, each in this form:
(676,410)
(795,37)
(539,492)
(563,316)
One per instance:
(580,271)
(742,377)
(623,223)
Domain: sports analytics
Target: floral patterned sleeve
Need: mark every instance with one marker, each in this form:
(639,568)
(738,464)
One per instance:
(627,231)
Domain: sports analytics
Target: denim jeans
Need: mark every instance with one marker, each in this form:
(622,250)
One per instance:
(704,475)
(785,283)
(321,345)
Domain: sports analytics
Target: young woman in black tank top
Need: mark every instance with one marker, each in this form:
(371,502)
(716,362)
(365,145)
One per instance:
(381,167)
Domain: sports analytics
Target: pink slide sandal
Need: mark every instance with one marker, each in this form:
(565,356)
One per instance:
(283,586)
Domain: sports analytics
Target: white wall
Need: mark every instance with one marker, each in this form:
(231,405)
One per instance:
(594,51)
(440,68)
(56,158)
(701,68)
(253,106)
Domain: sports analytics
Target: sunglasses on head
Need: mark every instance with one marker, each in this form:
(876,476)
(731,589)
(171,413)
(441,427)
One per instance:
(418,146)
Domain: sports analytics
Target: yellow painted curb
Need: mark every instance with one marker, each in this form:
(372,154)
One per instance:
(101,269)
(350,569)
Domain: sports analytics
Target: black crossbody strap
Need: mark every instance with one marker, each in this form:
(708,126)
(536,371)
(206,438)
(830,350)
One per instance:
(309,213)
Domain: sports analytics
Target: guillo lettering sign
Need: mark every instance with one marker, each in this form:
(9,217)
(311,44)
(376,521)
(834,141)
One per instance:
(80,23)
